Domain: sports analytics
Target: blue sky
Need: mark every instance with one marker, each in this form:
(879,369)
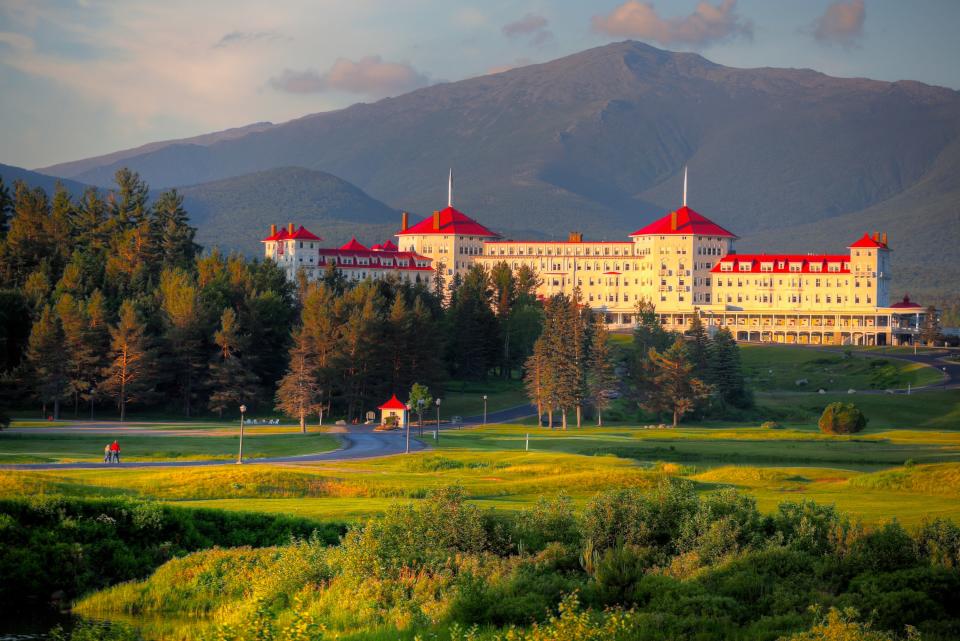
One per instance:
(86,77)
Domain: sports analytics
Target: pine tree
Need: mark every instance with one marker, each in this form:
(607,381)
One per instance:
(698,345)
(534,377)
(130,375)
(28,242)
(6,208)
(173,236)
(319,321)
(472,329)
(183,332)
(298,391)
(440,281)
(82,361)
(48,366)
(231,381)
(505,298)
(674,387)
(725,372)
(601,378)
(930,331)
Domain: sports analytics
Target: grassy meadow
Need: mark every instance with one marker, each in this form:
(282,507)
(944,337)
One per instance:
(905,467)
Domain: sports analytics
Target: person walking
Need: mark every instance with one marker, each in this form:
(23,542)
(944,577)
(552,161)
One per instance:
(115,451)
(107,454)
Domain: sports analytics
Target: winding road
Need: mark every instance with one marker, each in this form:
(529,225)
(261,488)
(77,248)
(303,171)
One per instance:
(358,442)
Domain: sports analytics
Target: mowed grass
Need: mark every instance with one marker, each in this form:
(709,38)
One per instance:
(780,367)
(46,447)
(928,410)
(463,398)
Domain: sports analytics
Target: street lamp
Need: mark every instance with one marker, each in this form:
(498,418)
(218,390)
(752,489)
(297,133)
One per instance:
(93,391)
(437,437)
(243,410)
(407,421)
(484,409)
(420,414)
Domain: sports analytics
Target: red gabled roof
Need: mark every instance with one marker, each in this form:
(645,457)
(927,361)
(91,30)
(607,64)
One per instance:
(388,246)
(689,223)
(301,234)
(393,404)
(756,260)
(353,245)
(451,222)
(906,303)
(867,241)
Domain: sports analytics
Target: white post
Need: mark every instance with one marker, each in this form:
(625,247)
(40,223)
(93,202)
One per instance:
(528,442)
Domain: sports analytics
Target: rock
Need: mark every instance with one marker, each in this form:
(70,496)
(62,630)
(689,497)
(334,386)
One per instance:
(851,391)
(801,381)
(821,391)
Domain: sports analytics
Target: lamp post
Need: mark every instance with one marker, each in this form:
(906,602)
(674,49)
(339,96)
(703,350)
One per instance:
(437,437)
(93,391)
(407,421)
(484,409)
(420,415)
(243,410)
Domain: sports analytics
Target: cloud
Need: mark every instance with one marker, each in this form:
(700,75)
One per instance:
(246,37)
(841,23)
(707,24)
(370,76)
(532,25)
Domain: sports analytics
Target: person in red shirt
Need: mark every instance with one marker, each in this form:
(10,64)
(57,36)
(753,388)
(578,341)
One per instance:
(115,451)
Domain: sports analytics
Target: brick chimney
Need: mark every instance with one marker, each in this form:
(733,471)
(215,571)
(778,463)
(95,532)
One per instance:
(876,237)
(575,237)
(404,221)
(289,228)
(273,230)
(436,221)
(673,221)
(883,239)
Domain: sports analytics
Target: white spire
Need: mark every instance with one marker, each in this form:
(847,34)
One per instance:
(684,185)
(450,189)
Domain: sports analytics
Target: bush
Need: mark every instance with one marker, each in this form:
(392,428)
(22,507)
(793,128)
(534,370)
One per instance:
(771,425)
(842,418)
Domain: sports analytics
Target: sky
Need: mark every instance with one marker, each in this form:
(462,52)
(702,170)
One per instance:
(80,78)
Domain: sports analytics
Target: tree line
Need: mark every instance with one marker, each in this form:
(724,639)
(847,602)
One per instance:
(108,299)
(573,367)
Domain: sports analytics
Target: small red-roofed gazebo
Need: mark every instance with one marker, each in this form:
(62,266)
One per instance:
(393,412)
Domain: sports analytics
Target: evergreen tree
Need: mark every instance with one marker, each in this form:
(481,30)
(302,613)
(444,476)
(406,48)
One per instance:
(698,345)
(28,241)
(48,366)
(129,202)
(130,375)
(399,342)
(472,330)
(298,391)
(359,359)
(231,381)
(89,220)
(440,281)
(320,322)
(183,333)
(505,298)
(6,208)
(173,236)
(930,331)
(334,279)
(601,378)
(535,378)
(82,362)
(725,371)
(674,387)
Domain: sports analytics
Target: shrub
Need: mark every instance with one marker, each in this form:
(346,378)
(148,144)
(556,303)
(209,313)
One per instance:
(842,626)
(771,425)
(550,520)
(842,418)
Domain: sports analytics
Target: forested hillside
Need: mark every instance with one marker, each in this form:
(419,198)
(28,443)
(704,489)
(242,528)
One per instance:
(596,141)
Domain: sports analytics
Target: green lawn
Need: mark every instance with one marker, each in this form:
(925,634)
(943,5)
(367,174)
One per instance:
(934,410)
(41,447)
(779,367)
(463,398)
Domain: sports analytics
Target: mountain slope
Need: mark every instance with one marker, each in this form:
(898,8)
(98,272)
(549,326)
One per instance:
(596,141)
(235,213)
(9,173)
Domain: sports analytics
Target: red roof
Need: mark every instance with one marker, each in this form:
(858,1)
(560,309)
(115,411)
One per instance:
(782,262)
(867,241)
(388,246)
(393,404)
(688,222)
(301,234)
(451,222)
(906,303)
(353,245)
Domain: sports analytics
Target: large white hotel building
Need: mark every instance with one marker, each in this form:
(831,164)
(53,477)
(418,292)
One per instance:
(684,263)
